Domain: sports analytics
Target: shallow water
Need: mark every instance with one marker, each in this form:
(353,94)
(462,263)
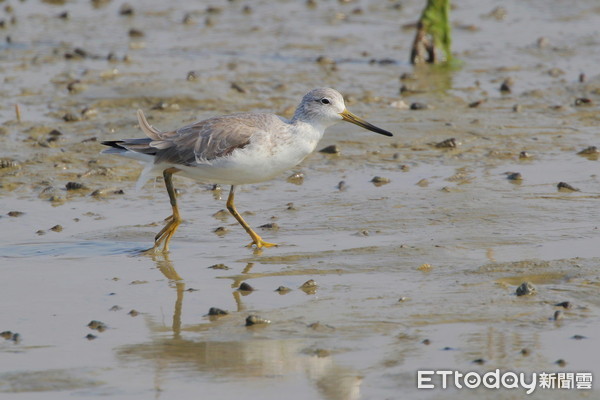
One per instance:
(365,246)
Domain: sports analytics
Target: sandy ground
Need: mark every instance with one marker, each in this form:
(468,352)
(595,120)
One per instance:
(416,274)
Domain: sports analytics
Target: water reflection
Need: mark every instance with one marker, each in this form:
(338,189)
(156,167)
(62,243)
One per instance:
(224,348)
(166,267)
(428,78)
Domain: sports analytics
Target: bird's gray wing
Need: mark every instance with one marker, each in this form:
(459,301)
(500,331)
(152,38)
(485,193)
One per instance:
(207,140)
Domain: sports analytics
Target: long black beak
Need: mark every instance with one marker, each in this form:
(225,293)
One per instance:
(348,116)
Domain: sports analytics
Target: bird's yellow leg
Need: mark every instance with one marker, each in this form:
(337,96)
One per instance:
(256,239)
(174,220)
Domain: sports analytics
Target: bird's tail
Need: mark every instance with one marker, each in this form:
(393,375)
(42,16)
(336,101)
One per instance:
(148,129)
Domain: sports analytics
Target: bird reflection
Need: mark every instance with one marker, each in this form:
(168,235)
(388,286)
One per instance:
(166,267)
(225,348)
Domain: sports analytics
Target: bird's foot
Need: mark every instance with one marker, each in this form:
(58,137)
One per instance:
(259,243)
(154,250)
(164,236)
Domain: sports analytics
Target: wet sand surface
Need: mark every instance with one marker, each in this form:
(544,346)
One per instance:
(418,273)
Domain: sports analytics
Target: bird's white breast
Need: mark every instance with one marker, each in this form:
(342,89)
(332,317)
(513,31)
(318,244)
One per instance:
(266,157)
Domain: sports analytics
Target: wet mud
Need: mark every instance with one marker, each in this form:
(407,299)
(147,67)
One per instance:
(395,254)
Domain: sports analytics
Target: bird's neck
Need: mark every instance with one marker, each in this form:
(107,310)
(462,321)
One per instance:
(300,119)
(311,132)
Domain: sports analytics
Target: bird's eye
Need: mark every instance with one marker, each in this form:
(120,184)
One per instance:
(325,101)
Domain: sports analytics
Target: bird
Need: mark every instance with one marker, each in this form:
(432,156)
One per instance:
(235,149)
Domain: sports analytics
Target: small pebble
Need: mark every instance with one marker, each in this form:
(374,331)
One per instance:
(219,266)
(245,287)
(7,163)
(214,10)
(308,284)
(106,192)
(525,351)
(517,108)
(74,186)
(70,117)
(161,105)
(221,214)
(126,9)
(565,187)
(191,76)
(379,181)
(56,228)
(341,186)
(331,149)
(317,326)
(90,336)
(283,290)
(477,103)
(524,154)
(561,363)
(591,150)
(525,289)
(12,336)
(325,61)
(565,304)
(270,225)
(418,106)
(15,213)
(309,287)
(424,267)
(450,143)
(221,230)
(479,361)
(80,52)
(217,311)
(506,86)
(239,88)
(514,176)
(188,19)
(75,86)
(578,337)
(115,308)
(136,33)
(296,178)
(256,320)
(499,13)
(55,133)
(133,313)
(426,342)
(583,101)
(97,325)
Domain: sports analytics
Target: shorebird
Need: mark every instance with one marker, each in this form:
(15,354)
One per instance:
(234,149)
